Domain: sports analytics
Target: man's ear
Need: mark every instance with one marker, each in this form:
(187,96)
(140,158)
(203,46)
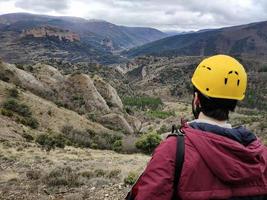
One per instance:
(196,100)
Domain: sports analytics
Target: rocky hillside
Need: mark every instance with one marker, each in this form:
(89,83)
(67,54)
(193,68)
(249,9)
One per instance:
(243,40)
(49,31)
(92,98)
(169,78)
(57,128)
(87,40)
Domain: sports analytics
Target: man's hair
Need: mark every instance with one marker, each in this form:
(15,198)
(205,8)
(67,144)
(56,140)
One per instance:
(216,108)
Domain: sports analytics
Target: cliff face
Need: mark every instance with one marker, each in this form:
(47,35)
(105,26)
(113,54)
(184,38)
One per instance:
(49,31)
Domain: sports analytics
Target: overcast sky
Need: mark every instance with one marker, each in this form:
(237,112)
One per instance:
(166,15)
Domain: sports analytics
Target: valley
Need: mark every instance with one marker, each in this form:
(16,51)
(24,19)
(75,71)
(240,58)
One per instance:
(83,103)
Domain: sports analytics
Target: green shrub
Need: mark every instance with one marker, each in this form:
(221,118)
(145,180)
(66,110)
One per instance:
(114,173)
(24,114)
(6,112)
(62,176)
(30,121)
(143,102)
(160,114)
(91,116)
(117,146)
(99,173)
(263,69)
(148,142)
(88,138)
(131,178)
(51,141)
(13,92)
(163,129)
(28,137)
(19,108)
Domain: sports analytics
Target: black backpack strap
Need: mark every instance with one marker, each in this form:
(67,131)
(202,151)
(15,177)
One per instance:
(178,162)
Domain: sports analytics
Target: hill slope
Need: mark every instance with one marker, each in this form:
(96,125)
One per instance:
(250,39)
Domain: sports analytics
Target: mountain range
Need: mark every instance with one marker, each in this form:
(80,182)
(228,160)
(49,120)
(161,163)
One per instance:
(250,39)
(26,36)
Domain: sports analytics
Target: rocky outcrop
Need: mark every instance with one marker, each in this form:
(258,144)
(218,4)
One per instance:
(49,31)
(134,122)
(108,93)
(116,122)
(78,91)
(10,73)
(48,75)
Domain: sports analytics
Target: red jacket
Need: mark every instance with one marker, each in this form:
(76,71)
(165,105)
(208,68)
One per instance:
(215,167)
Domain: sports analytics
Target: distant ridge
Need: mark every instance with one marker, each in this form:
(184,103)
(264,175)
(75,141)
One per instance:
(249,39)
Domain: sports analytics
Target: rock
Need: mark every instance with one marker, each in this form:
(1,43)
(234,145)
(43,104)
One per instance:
(134,122)
(79,91)
(23,79)
(108,93)
(48,75)
(45,31)
(116,122)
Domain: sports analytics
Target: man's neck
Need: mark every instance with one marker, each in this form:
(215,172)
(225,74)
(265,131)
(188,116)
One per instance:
(202,116)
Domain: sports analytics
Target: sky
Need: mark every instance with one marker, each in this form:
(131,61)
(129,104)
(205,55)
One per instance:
(165,15)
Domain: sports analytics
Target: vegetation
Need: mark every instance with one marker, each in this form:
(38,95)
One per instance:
(148,142)
(52,141)
(131,178)
(65,176)
(143,102)
(19,108)
(159,114)
(87,138)
(22,113)
(263,69)
(13,92)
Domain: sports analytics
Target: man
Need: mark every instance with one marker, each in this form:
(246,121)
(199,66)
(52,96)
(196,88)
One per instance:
(220,162)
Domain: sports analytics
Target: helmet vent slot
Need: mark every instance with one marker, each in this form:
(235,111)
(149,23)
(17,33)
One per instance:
(225,80)
(238,81)
(207,89)
(208,68)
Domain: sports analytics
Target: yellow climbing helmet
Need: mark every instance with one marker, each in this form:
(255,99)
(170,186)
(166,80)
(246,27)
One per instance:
(221,76)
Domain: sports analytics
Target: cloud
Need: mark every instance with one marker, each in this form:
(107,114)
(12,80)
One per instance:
(42,5)
(181,15)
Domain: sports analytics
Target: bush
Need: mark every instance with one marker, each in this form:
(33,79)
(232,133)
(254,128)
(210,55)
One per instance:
(263,69)
(160,114)
(62,176)
(6,112)
(114,173)
(88,138)
(117,146)
(21,109)
(92,116)
(51,141)
(148,142)
(143,102)
(28,137)
(163,129)
(131,178)
(24,114)
(13,92)
(30,121)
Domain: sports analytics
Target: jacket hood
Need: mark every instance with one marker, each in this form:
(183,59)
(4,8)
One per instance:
(233,155)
